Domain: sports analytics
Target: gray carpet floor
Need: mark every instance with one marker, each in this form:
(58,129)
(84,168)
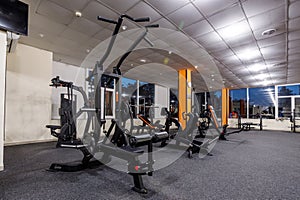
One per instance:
(251,165)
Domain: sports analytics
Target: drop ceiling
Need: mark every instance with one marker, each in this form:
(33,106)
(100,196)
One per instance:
(230,32)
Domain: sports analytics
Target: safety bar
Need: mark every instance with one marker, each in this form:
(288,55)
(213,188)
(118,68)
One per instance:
(56,82)
(142,19)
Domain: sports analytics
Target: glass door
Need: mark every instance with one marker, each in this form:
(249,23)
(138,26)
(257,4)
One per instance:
(297,107)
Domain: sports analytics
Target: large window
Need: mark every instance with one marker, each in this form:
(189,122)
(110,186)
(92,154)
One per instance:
(139,95)
(284,107)
(238,103)
(129,93)
(200,101)
(289,90)
(215,99)
(146,98)
(262,102)
(288,100)
(174,105)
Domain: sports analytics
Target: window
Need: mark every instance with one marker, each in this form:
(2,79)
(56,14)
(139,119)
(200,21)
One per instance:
(238,103)
(146,98)
(215,99)
(284,107)
(200,101)
(129,93)
(289,90)
(109,103)
(174,105)
(262,101)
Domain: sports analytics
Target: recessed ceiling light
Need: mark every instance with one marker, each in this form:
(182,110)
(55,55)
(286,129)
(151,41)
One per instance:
(124,27)
(87,50)
(248,54)
(170,52)
(265,82)
(257,67)
(234,30)
(78,14)
(143,60)
(269,31)
(261,76)
(196,67)
(41,35)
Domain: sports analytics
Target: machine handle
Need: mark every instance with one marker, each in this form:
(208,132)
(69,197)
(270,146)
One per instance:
(107,20)
(143,19)
(152,26)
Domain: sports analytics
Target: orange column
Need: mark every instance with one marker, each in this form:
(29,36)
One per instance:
(225,105)
(184,94)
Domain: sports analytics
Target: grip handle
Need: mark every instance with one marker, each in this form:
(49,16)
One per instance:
(143,19)
(152,26)
(107,20)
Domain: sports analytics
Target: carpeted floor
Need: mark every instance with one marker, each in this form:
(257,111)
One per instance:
(251,165)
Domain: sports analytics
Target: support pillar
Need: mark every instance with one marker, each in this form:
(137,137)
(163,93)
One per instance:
(184,94)
(225,105)
(2,94)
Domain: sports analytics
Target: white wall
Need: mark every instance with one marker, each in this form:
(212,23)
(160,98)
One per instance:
(69,73)
(2,93)
(161,99)
(268,124)
(28,96)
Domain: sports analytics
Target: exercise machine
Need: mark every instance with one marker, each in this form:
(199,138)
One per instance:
(110,146)
(294,118)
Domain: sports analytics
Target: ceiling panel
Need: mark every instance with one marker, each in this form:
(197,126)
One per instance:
(164,23)
(94,9)
(85,26)
(294,24)
(294,35)
(55,12)
(294,9)
(268,19)
(143,10)
(212,7)
(209,39)
(46,26)
(255,7)
(74,35)
(271,40)
(199,28)
(240,40)
(227,17)
(71,38)
(72,5)
(280,29)
(120,5)
(274,51)
(168,6)
(181,19)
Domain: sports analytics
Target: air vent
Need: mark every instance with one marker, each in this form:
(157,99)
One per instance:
(269,31)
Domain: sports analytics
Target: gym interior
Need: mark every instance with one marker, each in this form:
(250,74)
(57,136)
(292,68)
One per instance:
(149,99)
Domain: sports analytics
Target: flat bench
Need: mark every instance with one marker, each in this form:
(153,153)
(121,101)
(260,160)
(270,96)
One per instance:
(249,125)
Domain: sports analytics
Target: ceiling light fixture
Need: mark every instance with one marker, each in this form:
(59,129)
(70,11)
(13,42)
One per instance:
(124,27)
(268,32)
(78,14)
(41,35)
(249,54)
(261,76)
(234,30)
(143,60)
(257,67)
